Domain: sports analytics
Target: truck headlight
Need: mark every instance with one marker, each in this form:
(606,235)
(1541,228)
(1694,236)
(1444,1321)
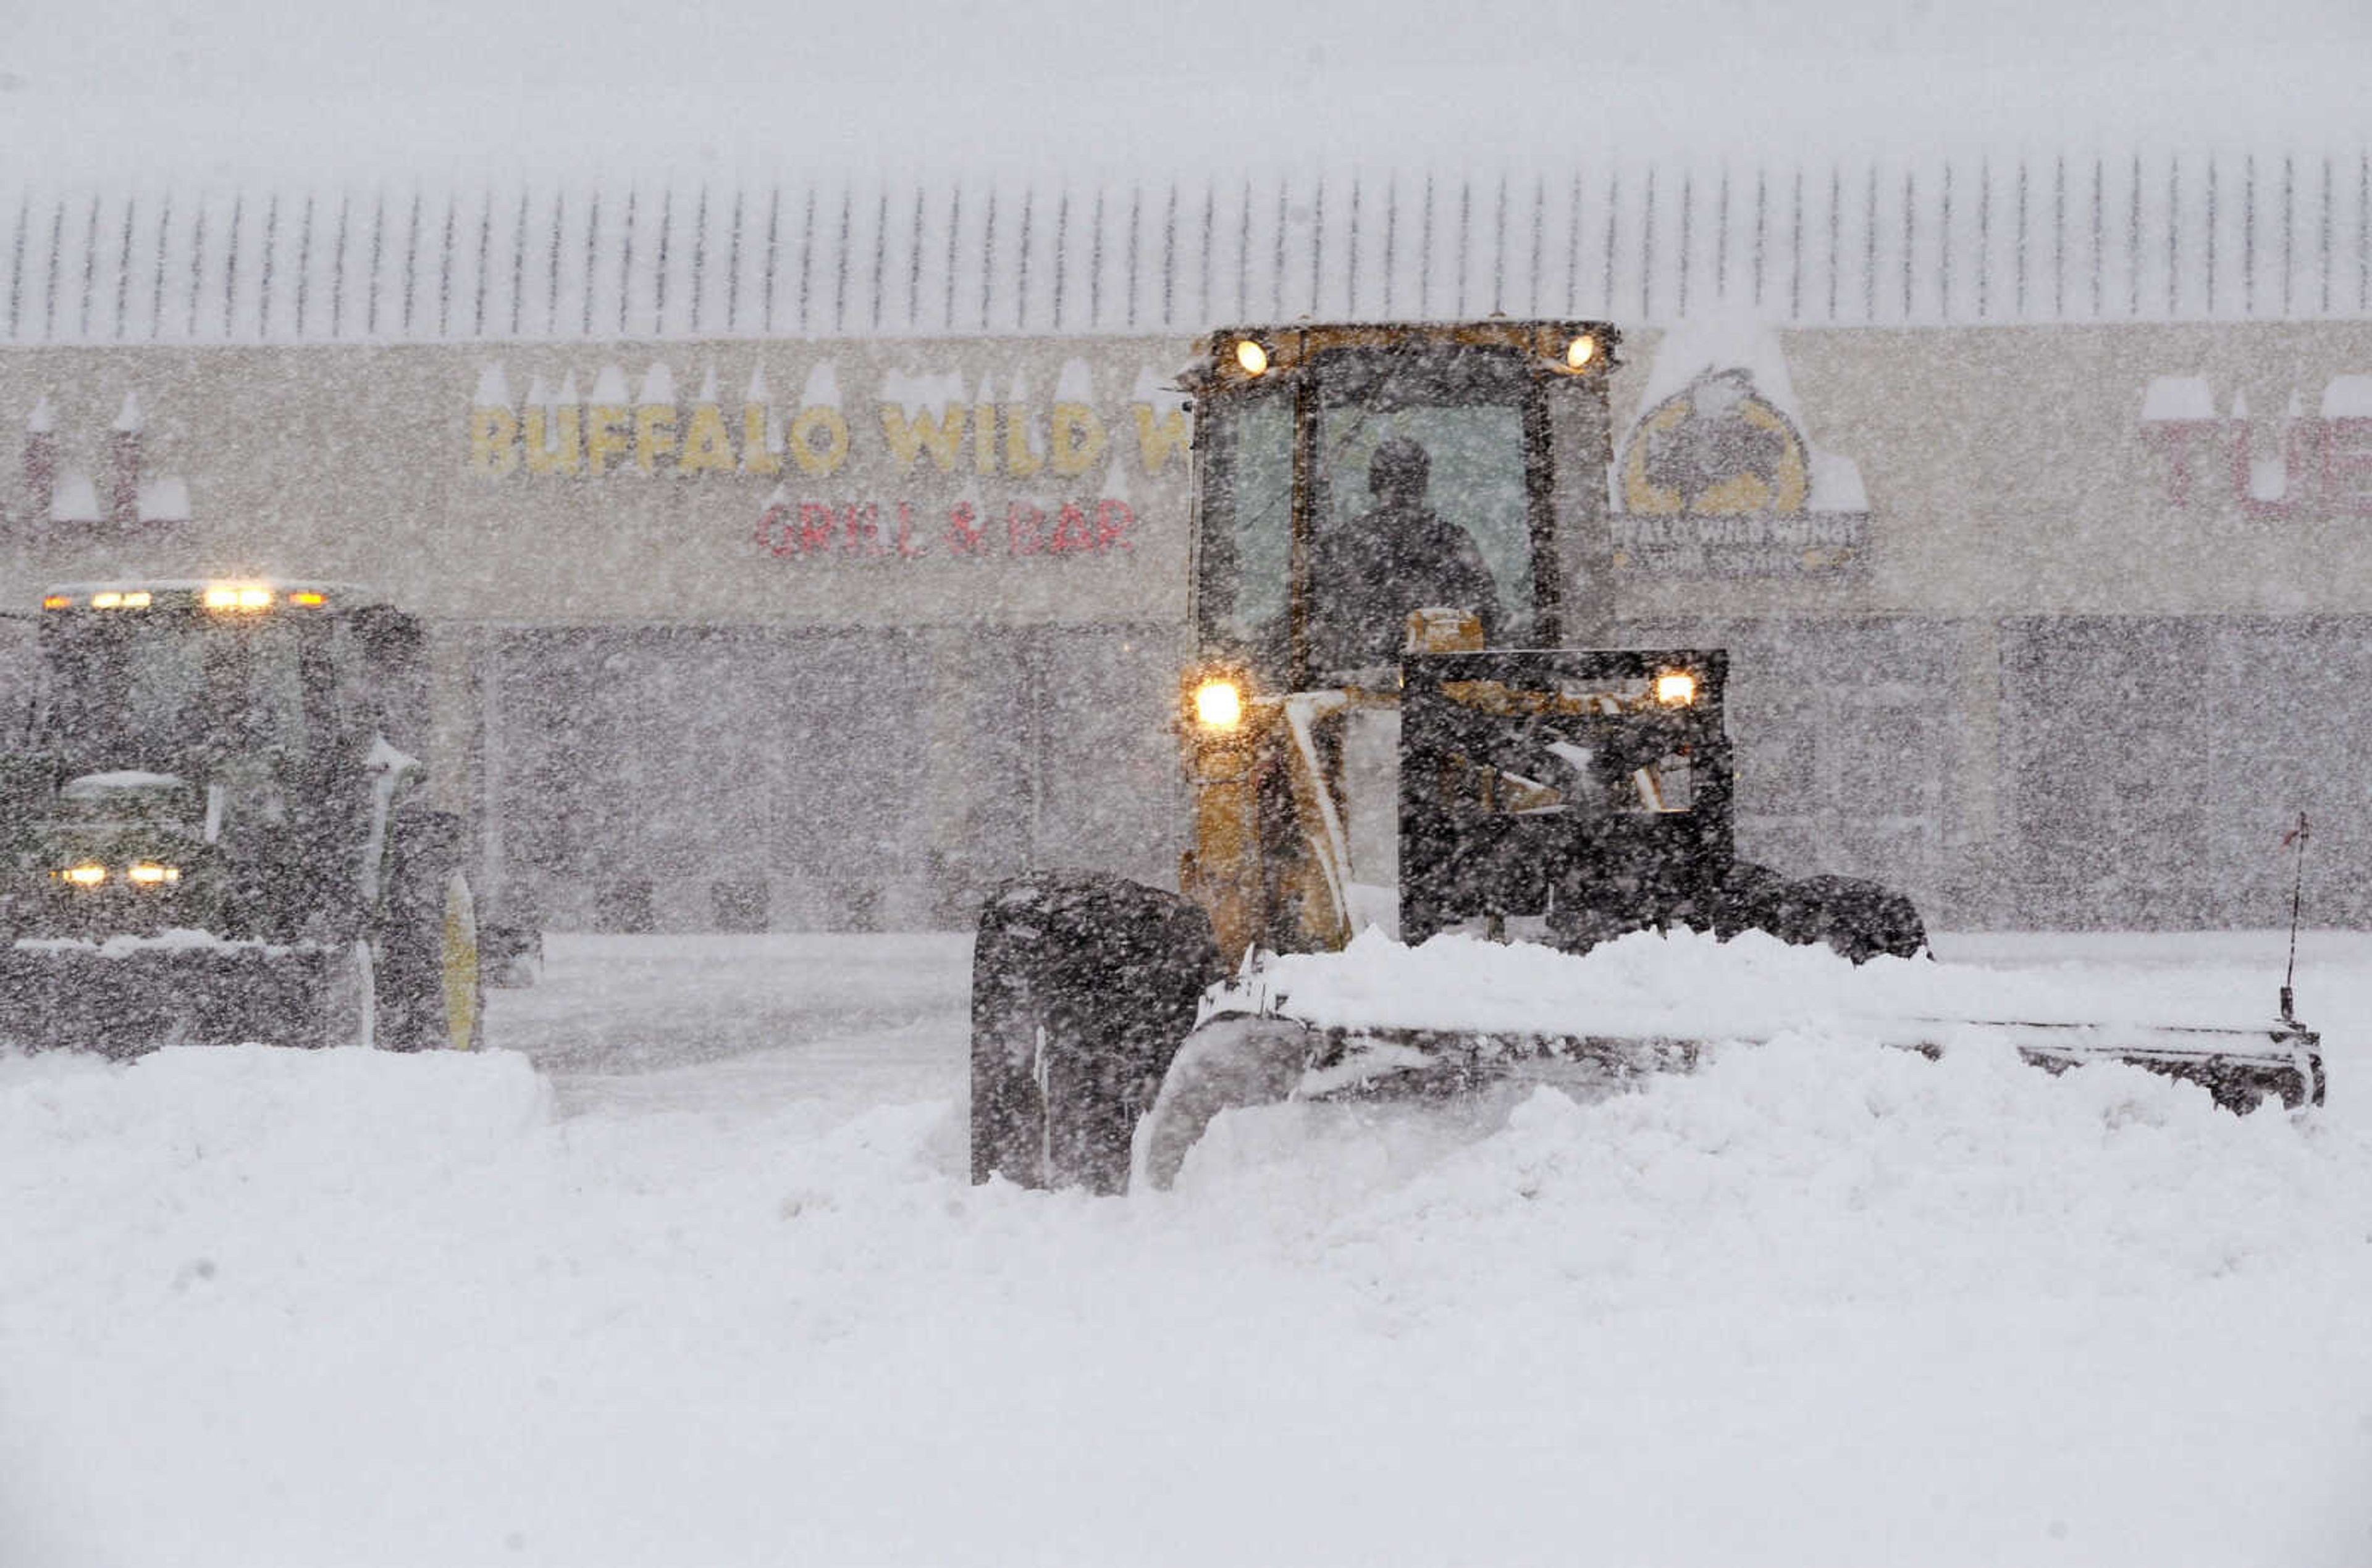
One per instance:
(1676,688)
(88,875)
(148,874)
(1218,703)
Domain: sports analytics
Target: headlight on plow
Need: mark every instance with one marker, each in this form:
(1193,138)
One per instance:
(1218,704)
(88,875)
(148,874)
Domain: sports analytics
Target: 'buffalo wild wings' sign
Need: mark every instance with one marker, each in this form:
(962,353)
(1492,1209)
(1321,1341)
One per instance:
(1716,477)
(919,462)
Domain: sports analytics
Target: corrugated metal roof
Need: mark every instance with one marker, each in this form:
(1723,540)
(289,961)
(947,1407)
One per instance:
(2036,239)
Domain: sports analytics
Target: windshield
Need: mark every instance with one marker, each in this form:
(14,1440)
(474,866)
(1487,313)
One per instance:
(1424,505)
(1421,497)
(145,691)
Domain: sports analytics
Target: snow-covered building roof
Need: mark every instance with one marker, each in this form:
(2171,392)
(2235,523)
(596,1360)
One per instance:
(2011,239)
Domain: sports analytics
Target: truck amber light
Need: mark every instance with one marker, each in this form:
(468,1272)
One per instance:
(57,601)
(148,874)
(85,875)
(1676,688)
(310,598)
(1252,356)
(1218,704)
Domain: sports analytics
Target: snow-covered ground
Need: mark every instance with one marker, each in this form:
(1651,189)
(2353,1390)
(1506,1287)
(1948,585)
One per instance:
(693,1274)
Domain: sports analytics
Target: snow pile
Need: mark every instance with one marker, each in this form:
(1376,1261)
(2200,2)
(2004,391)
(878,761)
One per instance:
(1815,1170)
(245,1163)
(1687,985)
(1817,1303)
(175,939)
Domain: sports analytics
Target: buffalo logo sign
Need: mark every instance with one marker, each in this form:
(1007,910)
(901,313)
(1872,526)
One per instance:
(1716,479)
(1715,448)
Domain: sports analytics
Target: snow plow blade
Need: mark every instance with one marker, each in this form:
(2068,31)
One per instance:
(1237,1060)
(2240,1067)
(131,995)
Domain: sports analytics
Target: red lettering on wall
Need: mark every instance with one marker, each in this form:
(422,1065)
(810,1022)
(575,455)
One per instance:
(2323,468)
(863,529)
(2244,467)
(2176,435)
(2347,465)
(855,528)
(1023,530)
(1071,529)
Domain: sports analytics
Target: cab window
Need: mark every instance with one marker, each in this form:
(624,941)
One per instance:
(1449,495)
(1244,574)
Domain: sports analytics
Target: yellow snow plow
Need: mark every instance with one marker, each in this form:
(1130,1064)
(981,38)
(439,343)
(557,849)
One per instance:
(1405,715)
(213,829)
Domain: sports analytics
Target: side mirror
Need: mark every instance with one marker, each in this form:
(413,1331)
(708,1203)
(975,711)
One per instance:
(394,648)
(390,639)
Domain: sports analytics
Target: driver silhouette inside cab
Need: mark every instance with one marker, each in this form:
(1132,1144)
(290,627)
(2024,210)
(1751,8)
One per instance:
(1399,555)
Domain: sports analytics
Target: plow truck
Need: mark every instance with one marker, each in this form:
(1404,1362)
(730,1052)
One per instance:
(212,828)
(1404,719)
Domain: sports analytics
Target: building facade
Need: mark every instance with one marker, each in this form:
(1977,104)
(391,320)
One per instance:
(813,557)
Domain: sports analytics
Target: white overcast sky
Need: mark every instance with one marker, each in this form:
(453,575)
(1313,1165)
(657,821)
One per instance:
(145,88)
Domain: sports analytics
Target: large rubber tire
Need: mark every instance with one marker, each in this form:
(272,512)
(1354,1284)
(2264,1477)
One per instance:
(1858,919)
(1082,986)
(1578,926)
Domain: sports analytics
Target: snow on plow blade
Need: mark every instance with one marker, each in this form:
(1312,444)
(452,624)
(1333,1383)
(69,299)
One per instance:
(131,996)
(1252,1049)
(2240,1067)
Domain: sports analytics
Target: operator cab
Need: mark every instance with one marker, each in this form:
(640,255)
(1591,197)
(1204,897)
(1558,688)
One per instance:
(177,677)
(201,753)
(1352,475)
